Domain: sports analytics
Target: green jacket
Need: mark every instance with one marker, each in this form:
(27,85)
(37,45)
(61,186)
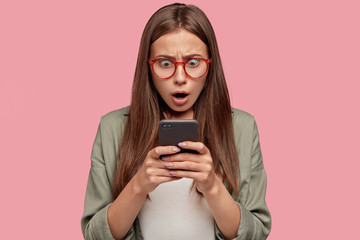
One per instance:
(255,220)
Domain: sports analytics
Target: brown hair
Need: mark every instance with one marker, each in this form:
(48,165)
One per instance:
(212,108)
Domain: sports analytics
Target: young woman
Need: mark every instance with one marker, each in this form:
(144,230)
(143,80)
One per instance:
(139,190)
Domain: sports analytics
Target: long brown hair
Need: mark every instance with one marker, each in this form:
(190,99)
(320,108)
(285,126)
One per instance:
(212,108)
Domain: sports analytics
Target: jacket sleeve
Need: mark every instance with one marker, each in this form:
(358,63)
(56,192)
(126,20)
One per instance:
(98,197)
(255,222)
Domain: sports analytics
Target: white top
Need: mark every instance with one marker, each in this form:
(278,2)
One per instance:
(176,213)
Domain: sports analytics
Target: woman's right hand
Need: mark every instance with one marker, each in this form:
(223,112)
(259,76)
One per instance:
(153,170)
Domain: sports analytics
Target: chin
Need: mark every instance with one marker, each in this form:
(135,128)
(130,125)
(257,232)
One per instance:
(181,109)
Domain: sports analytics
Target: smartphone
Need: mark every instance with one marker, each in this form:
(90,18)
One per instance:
(171,132)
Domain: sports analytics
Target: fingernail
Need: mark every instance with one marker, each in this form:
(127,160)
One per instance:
(168,164)
(182,144)
(172,172)
(165,158)
(176,149)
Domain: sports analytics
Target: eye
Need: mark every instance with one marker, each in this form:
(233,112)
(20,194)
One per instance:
(193,62)
(165,63)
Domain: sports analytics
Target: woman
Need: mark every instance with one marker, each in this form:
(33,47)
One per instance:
(139,190)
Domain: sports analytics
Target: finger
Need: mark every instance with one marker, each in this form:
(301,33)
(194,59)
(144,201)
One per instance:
(188,166)
(197,176)
(154,164)
(198,146)
(163,150)
(182,157)
(158,172)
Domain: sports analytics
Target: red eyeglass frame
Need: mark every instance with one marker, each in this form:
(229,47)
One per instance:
(152,61)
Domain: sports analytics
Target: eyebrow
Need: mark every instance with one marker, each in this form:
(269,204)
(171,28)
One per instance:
(173,58)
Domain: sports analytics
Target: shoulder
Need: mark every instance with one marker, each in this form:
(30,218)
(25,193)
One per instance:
(237,113)
(242,119)
(116,115)
(114,121)
(245,129)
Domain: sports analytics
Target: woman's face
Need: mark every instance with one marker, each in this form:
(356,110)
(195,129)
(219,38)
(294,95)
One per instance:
(179,92)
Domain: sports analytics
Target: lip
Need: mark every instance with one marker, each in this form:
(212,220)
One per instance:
(180,101)
(180,91)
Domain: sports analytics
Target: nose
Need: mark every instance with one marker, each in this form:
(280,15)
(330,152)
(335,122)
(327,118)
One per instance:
(180,75)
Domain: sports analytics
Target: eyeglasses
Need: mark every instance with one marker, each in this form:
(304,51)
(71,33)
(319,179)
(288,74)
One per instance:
(165,68)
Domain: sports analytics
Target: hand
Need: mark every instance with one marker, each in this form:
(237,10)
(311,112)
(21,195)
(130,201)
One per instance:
(153,171)
(196,166)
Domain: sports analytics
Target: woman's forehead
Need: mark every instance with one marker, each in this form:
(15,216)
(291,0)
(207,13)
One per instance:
(179,42)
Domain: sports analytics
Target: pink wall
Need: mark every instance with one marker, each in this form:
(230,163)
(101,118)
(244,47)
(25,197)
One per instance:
(294,65)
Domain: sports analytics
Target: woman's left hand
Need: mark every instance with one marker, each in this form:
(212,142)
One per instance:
(196,166)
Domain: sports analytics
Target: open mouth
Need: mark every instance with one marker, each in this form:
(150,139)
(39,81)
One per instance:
(180,95)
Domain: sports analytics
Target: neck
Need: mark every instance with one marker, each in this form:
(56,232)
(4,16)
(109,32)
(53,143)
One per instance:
(179,115)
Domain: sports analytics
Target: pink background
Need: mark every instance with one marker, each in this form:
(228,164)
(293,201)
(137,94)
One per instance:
(294,65)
